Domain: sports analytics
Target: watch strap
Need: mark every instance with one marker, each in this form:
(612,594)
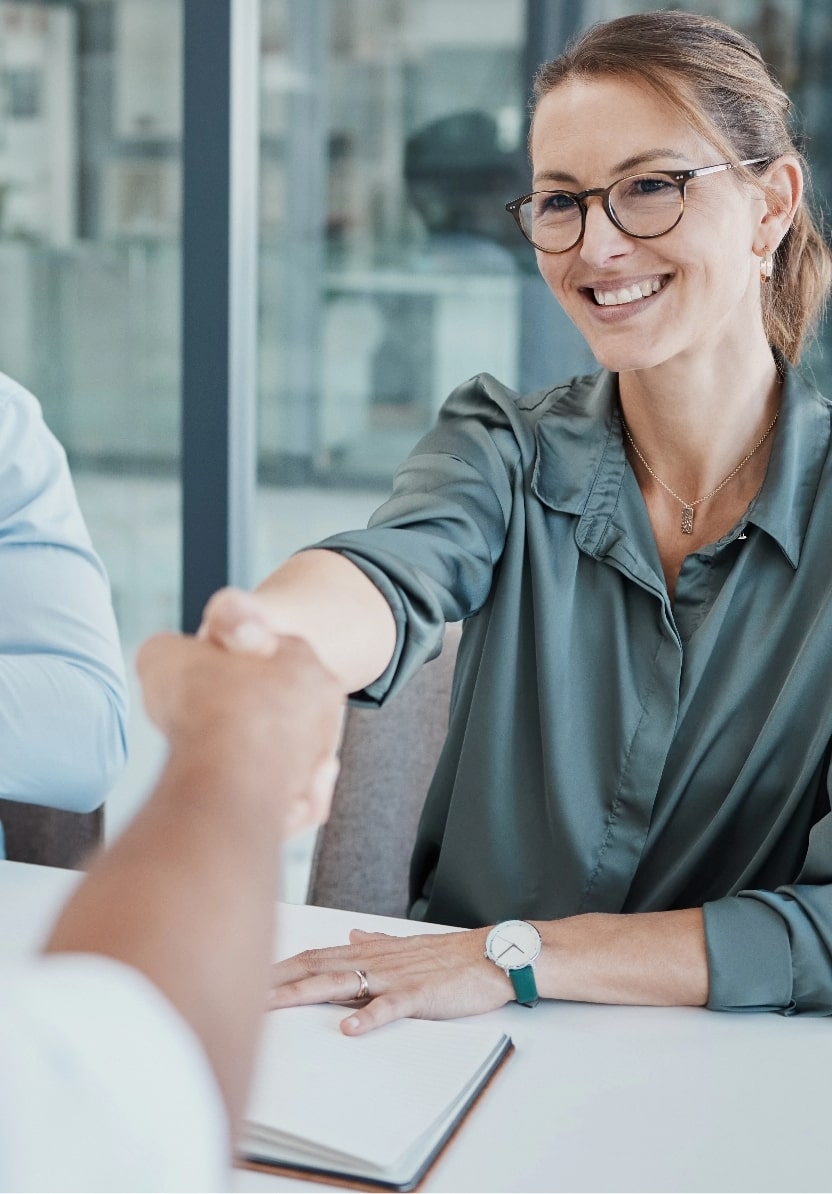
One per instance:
(525,987)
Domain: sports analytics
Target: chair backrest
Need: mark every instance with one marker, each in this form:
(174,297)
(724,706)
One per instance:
(49,836)
(362,855)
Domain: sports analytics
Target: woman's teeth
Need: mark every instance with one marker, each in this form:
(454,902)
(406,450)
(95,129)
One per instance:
(628,294)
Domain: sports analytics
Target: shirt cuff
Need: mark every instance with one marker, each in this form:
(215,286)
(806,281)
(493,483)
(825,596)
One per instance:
(749,956)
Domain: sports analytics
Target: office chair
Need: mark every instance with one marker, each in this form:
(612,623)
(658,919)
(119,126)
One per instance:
(49,836)
(361,858)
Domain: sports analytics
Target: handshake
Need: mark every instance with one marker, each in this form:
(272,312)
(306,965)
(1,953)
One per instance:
(250,704)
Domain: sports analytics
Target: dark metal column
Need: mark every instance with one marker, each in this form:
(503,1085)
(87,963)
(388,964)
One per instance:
(219,297)
(551,348)
(548,28)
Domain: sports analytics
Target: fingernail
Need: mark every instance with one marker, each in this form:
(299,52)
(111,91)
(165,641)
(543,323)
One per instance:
(352,1023)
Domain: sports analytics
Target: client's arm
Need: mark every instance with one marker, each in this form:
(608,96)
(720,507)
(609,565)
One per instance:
(63,700)
(186,895)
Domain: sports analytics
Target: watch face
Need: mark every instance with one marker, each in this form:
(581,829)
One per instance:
(513,944)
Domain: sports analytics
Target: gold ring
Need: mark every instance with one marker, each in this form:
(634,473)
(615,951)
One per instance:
(363,985)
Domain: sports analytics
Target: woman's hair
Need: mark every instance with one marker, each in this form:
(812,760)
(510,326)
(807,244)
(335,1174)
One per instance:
(717,81)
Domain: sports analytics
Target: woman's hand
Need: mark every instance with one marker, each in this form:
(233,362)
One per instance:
(317,595)
(434,976)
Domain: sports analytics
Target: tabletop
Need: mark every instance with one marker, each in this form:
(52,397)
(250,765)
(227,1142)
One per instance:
(594,1098)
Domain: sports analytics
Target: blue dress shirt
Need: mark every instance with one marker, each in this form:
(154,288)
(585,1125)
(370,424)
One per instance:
(62,686)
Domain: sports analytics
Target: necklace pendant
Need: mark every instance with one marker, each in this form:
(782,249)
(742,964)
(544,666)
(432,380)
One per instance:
(687,520)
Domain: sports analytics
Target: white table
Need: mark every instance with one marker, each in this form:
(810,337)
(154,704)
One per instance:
(593,1098)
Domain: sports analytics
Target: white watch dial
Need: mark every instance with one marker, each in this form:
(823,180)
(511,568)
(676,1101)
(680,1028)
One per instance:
(513,944)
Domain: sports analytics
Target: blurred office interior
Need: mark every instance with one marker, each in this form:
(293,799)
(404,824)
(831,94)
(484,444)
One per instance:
(387,136)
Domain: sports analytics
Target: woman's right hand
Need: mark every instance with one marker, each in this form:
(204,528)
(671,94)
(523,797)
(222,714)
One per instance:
(317,595)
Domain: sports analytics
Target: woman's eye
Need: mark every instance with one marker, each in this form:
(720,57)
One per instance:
(555,203)
(649,186)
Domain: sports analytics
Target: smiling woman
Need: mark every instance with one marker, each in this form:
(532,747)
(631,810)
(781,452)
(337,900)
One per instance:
(640,736)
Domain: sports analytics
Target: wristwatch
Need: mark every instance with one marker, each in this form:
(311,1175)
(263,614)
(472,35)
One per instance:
(514,946)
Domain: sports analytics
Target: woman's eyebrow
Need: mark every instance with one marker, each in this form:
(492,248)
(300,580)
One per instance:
(649,155)
(630,163)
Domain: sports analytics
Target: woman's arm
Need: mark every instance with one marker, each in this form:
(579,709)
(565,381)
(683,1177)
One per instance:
(322,597)
(641,958)
(372,598)
(649,958)
(755,951)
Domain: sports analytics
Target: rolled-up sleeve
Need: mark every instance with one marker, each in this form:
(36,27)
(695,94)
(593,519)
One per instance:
(62,685)
(432,547)
(772,950)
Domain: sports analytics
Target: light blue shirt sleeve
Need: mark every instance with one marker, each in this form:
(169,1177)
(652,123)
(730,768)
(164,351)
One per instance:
(62,686)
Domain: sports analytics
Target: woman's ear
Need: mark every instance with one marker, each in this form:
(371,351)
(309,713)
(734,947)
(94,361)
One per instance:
(783,186)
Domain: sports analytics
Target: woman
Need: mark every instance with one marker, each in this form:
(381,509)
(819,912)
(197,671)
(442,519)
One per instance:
(640,731)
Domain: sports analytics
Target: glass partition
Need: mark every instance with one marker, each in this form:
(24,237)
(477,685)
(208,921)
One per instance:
(393,133)
(90,130)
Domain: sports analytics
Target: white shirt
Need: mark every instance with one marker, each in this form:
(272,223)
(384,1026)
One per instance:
(103,1086)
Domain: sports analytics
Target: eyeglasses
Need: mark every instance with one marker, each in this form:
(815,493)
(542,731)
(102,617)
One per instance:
(641,205)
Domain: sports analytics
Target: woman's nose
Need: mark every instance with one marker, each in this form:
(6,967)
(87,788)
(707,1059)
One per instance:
(602,239)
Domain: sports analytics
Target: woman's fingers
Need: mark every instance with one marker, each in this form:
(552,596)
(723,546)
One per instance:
(429,976)
(338,957)
(336,986)
(383,1010)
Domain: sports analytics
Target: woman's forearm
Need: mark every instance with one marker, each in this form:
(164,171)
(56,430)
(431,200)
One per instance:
(653,958)
(322,597)
(640,958)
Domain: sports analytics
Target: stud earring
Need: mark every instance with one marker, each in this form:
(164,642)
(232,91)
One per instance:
(766,266)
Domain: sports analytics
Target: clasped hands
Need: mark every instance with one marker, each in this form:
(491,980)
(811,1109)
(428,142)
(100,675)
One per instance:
(261,709)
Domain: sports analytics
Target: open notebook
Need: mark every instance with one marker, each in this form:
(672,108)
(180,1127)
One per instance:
(374,1109)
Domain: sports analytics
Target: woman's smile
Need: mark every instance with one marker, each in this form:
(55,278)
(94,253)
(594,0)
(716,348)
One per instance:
(623,299)
(612,294)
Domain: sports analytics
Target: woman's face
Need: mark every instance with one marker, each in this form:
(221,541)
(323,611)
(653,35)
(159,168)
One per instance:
(589,133)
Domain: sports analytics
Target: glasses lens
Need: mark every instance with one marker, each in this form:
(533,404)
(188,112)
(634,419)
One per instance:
(646,204)
(551,220)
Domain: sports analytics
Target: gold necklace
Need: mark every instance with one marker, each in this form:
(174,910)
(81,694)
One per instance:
(689,507)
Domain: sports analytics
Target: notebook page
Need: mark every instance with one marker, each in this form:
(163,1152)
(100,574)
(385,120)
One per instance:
(370,1096)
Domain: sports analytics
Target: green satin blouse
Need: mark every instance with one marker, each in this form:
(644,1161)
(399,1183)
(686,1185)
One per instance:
(609,750)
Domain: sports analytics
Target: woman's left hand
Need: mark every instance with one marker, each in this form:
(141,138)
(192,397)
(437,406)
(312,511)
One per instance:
(434,976)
